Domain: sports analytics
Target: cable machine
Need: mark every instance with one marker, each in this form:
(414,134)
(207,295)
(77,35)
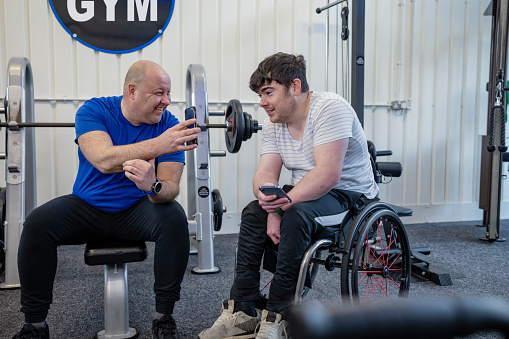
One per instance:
(421,265)
(493,144)
(357,55)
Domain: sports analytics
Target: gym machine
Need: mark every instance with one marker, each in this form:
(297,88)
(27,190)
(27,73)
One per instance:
(357,13)
(205,208)
(20,191)
(421,265)
(492,156)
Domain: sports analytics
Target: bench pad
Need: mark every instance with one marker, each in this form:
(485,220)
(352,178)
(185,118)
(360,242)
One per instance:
(114,252)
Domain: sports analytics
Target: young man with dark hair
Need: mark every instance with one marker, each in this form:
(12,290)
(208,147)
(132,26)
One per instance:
(320,139)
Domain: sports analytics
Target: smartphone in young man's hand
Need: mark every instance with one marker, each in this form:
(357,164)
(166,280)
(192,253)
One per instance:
(274,190)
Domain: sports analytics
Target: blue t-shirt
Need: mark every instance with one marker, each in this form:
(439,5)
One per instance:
(114,192)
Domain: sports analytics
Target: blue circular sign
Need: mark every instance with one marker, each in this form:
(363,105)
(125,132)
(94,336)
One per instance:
(114,26)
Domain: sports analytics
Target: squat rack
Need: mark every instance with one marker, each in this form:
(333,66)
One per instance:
(20,177)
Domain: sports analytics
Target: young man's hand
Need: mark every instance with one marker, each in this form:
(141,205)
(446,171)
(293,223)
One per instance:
(274,227)
(271,203)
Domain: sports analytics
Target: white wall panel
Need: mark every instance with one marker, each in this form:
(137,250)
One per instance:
(432,54)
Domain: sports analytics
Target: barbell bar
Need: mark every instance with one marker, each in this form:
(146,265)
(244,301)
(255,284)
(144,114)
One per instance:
(71,124)
(239,126)
(16,125)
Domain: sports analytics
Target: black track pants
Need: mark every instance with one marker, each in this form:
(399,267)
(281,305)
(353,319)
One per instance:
(299,224)
(68,220)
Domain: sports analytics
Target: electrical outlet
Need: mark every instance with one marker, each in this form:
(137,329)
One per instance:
(399,105)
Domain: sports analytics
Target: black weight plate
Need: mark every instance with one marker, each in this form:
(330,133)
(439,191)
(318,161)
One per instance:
(234,132)
(246,126)
(217,209)
(249,126)
(229,133)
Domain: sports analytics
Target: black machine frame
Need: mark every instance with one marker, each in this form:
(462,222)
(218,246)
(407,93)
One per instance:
(492,156)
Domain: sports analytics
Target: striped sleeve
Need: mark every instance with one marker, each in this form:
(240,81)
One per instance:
(333,122)
(269,138)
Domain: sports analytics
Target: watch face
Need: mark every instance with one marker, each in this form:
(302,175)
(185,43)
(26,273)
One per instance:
(156,188)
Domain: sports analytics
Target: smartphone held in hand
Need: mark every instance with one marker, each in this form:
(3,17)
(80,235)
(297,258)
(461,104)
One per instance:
(274,190)
(191,114)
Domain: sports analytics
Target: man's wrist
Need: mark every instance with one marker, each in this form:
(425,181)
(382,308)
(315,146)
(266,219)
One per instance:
(156,188)
(280,211)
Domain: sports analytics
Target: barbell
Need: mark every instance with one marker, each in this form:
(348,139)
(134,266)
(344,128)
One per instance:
(239,126)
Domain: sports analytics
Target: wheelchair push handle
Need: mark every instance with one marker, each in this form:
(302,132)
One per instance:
(374,153)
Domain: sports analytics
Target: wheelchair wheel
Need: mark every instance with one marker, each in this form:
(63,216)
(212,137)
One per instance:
(378,261)
(350,241)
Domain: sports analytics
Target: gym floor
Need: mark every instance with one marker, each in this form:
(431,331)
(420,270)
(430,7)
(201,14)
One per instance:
(477,269)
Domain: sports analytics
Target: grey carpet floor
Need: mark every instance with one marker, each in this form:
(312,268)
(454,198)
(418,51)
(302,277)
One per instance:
(478,269)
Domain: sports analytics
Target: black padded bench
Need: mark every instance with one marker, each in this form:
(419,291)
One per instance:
(402,211)
(114,255)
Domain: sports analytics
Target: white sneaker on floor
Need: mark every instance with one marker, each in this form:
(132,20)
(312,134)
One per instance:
(236,325)
(272,326)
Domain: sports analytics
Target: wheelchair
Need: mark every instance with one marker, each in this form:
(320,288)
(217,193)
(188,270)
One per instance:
(372,250)
(370,246)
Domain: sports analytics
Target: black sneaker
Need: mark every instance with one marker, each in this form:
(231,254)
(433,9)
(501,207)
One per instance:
(165,328)
(30,332)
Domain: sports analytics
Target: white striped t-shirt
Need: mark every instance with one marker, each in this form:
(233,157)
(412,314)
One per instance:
(330,118)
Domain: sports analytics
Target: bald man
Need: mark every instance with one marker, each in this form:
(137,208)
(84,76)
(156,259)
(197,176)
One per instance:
(131,157)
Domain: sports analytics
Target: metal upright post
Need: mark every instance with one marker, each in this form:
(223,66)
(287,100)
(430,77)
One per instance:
(358,37)
(20,180)
(199,199)
(491,161)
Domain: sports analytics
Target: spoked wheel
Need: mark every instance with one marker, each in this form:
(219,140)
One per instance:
(379,259)
(350,242)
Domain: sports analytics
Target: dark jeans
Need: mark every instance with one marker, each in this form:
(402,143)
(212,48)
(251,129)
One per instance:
(298,225)
(68,220)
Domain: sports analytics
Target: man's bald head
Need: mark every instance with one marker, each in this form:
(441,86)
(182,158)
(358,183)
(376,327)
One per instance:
(138,72)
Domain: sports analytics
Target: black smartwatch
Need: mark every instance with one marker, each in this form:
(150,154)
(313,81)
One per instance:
(156,187)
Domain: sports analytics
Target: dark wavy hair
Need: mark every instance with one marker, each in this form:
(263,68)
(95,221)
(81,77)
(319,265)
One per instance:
(282,68)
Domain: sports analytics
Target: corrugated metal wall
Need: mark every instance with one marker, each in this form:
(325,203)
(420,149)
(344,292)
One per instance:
(435,56)
(431,55)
